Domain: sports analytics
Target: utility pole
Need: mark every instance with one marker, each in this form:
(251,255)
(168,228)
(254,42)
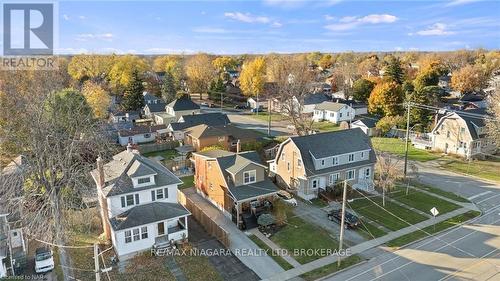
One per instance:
(344,194)
(257,105)
(221,101)
(96,263)
(269,110)
(407,138)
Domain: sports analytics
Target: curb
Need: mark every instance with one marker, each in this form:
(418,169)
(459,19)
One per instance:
(342,270)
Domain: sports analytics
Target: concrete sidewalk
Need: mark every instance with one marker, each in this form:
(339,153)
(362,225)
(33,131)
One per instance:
(264,266)
(365,246)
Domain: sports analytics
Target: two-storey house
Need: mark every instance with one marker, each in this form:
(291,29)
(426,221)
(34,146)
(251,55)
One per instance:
(176,109)
(308,164)
(138,203)
(177,129)
(462,134)
(232,181)
(333,112)
(226,136)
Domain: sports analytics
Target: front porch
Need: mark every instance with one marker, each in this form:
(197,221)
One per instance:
(176,230)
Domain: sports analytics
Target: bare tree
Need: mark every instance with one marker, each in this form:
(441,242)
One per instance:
(60,140)
(291,77)
(388,171)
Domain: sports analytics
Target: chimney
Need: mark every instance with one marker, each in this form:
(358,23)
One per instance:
(129,147)
(238,146)
(103,203)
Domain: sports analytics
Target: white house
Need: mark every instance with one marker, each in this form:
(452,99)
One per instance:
(253,103)
(138,202)
(367,125)
(305,105)
(175,110)
(140,134)
(333,112)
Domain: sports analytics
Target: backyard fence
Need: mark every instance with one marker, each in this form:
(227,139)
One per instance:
(208,224)
(152,147)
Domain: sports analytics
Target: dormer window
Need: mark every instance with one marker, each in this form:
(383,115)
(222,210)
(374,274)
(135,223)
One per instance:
(322,162)
(143,180)
(335,161)
(249,177)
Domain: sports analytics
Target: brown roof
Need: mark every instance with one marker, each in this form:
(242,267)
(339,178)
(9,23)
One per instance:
(203,130)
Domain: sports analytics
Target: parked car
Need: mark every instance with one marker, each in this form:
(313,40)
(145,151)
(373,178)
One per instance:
(255,110)
(351,221)
(44,260)
(213,105)
(204,104)
(287,197)
(240,107)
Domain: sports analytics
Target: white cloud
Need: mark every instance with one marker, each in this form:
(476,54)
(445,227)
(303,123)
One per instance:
(247,17)
(90,36)
(276,24)
(207,29)
(459,2)
(351,22)
(82,17)
(329,17)
(437,29)
(398,49)
(65,17)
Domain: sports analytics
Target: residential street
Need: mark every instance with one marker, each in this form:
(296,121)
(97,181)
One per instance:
(469,252)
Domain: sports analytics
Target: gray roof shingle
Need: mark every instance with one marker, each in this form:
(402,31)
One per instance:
(333,143)
(147,213)
(210,119)
(183,103)
(330,106)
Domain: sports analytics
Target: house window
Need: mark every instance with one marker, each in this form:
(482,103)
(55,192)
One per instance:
(299,163)
(349,175)
(367,172)
(335,161)
(347,113)
(334,178)
(128,200)
(250,177)
(137,199)
(159,194)
(288,166)
(315,183)
(128,236)
(136,234)
(362,155)
(340,115)
(144,232)
(351,157)
(462,130)
(282,155)
(322,162)
(143,180)
(332,114)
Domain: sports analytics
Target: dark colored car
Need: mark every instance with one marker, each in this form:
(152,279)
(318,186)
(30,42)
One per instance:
(259,109)
(351,221)
(240,107)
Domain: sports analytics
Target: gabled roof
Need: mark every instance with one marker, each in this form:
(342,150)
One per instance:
(231,163)
(203,131)
(471,122)
(315,98)
(330,106)
(146,214)
(330,144)
(156,107)
(183,103)
(210,119)
(149,97)
(124,165)
(368,122)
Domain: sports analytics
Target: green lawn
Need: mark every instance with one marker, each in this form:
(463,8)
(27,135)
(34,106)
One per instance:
(325,126)
(380,216)
(397,146)
(319,202)
(299,235)
(331,268)
(403,240)
(278,259)
(167,154)
(438,191)
(421,201)
(263,116)
(369,231)
(197,268)
(187,182)
(484,169)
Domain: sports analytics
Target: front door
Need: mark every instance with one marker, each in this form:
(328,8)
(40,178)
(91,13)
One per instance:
(161,228)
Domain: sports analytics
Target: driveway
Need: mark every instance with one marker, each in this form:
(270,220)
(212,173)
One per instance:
(318,216)
(229,267)
(244,249)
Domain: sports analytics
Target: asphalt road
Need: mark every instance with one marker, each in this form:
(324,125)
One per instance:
(468,252)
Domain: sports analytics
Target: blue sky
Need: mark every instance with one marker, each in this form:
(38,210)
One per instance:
(235,27)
